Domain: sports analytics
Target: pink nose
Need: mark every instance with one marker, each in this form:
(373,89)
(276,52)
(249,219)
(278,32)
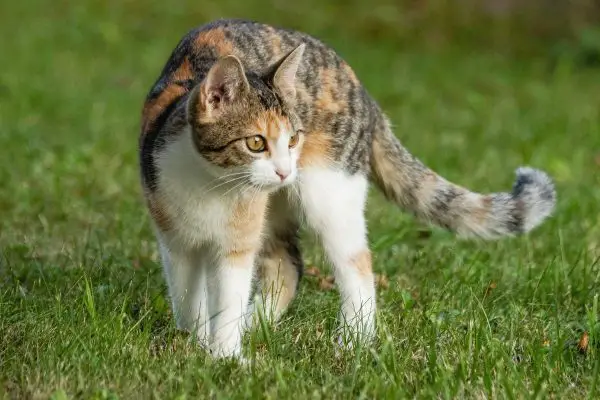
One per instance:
(282,175)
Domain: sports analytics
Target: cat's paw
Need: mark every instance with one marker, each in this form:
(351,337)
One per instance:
(350,337)
(218,352)
(236,359)
(226,349)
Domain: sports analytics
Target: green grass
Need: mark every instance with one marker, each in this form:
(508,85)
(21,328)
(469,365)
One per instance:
(83,307)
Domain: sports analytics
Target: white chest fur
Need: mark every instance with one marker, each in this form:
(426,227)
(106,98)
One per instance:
(199,205)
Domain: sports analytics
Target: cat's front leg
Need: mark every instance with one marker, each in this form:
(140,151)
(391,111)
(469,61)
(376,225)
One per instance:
(228,297)
(230,280)
(185,272)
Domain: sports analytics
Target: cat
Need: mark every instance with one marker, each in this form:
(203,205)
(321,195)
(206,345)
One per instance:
(252,129)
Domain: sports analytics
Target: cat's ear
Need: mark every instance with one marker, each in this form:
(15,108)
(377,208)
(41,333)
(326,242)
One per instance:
(284,79)
(224,84)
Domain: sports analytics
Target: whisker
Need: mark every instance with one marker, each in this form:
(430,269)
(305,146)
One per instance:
(246,190)
(225,177)
(254,195)
(234,187)
(241,178)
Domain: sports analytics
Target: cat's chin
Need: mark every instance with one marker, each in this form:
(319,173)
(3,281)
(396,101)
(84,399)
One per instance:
(271,187)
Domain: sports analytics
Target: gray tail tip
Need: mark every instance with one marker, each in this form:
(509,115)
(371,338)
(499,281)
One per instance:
(537,195)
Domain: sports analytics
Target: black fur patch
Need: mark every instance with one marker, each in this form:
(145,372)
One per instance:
(443,199)
(516,217)
(152,142)
(520,184)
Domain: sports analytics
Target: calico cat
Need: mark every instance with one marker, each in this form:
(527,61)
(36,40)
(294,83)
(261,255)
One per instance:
(251,129)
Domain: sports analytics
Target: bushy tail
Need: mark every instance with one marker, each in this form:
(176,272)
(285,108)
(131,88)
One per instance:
(416,188)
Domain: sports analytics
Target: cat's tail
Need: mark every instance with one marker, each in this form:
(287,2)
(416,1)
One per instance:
(416,188)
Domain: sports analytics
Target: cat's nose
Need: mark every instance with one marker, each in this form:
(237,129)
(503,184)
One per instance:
(282,174)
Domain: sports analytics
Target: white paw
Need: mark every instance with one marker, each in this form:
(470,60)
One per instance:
(226,349)
(354,335)
(220,353)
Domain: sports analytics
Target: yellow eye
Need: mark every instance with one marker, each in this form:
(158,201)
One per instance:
(294,140)
(256,143)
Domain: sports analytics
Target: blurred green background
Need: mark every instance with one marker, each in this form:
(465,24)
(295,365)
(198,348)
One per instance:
(474,88)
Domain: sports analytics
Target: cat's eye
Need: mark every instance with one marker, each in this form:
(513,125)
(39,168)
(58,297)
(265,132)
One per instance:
(294,139)
(256,143)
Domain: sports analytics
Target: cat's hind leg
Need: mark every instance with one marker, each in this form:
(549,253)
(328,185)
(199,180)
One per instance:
(334,202)
(280,264)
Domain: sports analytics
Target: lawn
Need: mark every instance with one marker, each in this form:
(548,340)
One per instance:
(83,307)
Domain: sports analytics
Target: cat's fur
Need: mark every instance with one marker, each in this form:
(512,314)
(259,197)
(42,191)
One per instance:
(220,210)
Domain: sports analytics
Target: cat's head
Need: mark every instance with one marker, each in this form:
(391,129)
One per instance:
(244,124)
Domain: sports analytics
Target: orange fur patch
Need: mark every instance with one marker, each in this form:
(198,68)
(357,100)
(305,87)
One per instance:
(270,125)
(216,39)
(326,100)
(316,150)
(184,72)
(245,225)
(350,73)
(279,278)
(153,108)
(363,263)
(247,215)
